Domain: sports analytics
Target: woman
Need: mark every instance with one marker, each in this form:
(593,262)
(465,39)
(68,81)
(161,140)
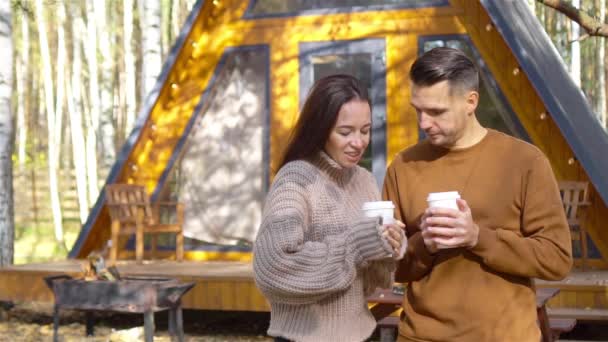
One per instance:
(316,257)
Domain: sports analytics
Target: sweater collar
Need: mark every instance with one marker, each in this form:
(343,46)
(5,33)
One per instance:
(332,169)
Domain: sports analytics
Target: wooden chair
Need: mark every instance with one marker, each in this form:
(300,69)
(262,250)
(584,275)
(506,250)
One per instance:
(574,196)
(132,213)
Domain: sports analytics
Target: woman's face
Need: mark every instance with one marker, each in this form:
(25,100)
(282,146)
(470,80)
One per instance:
(350,135)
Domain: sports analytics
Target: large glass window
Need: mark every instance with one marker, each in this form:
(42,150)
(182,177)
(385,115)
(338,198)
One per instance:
(493,110)
(265,7)
(363,59)
(222,175)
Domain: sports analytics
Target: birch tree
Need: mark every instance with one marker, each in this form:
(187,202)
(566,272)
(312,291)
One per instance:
(92,120)
(51,122)
(174,18)
(106,124)
(7,225)
(531,5)
(600,104)
(575,55)
(151,43)
(129,60)
(21,72)
(75,114)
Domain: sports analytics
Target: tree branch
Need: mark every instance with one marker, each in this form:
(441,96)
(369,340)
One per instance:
(591,25)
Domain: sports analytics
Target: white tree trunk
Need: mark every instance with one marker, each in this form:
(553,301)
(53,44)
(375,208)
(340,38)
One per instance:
(532,6)
(175,21)
(190,4)
(575,61)
(151,43)
(92,122)
(601,109)
(107,130)
(130,92)
(7,225)
(51,122)
(60,85)
(22,67)
(75,115)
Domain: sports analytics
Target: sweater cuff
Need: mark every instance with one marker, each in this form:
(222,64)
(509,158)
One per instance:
(485,241)
(366,243)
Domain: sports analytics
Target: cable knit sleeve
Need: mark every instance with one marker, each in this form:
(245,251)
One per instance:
(289,269)
(379,273)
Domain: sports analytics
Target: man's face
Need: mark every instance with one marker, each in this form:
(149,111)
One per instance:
(443,116)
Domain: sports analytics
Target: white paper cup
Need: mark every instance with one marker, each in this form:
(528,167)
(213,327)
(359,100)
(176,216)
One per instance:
(385,209)
(443,199)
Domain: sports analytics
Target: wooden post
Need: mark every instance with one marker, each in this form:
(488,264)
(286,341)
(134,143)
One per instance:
(139,236)
(114,247)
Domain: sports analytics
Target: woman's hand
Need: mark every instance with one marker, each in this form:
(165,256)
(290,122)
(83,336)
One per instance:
(427,236)
(394,233)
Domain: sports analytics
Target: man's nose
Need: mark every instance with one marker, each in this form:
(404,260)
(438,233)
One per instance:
(424,121)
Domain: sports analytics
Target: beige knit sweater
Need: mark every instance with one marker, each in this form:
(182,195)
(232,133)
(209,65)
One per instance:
(315,257)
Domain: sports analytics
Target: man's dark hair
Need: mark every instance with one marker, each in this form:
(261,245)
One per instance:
(445,64)
(320,113)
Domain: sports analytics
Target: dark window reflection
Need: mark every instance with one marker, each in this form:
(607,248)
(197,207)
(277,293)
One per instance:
(491,112)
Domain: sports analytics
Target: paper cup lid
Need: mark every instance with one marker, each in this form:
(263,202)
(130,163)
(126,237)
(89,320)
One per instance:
(378,205)
(438,196)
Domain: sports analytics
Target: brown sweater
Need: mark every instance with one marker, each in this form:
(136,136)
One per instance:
(485,293)
(316,257)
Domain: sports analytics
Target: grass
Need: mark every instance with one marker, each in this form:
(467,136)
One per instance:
(36,243)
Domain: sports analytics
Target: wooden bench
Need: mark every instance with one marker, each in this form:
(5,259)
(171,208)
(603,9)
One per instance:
(132,213)
(387,302)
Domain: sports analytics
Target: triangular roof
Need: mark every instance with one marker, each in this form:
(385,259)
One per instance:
(564,100)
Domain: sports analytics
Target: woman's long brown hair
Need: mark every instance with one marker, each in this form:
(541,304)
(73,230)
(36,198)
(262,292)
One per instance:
(320,113)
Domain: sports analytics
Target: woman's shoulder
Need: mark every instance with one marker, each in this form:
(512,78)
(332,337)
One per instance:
(298,171)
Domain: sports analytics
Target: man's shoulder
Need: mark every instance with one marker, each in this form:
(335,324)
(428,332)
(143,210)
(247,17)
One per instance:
(514,148)
(421,151)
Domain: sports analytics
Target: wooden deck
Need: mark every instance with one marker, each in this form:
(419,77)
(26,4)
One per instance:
(583,295)
(220,285)
(229,285)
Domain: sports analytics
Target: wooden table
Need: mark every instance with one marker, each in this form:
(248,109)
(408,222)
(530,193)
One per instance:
(388,302)
(542,297)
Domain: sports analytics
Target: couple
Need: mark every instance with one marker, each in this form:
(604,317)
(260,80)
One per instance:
(470,270)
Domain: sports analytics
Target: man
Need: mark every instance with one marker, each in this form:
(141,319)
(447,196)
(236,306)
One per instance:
(470,270)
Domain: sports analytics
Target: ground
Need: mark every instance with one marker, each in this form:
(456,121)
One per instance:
(34,322)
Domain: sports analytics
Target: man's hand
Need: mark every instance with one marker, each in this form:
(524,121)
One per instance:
(449,228)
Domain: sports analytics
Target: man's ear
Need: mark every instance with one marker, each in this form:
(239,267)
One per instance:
(472,100)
